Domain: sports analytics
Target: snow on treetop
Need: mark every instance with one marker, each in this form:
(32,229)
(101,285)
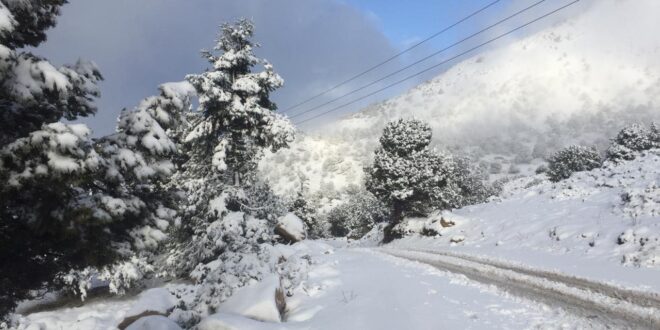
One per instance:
(7,22)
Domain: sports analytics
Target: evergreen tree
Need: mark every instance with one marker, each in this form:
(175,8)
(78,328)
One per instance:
(32,91)
(141,155)
(48,219)
(471,183)
(408,176)
(227,214)
(70,204)
(237,117)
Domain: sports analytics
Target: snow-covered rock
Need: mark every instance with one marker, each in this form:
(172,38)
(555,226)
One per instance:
(258,301)
(159,300)
(154,322)
(228,321)
(291,227)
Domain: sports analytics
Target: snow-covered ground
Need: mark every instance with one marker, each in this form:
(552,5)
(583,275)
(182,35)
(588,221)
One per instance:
(350,288)
(601,224)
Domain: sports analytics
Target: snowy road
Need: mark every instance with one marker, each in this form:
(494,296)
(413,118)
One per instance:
(363,288)
(603,304)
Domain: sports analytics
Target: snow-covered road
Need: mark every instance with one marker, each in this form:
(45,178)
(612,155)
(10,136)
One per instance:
(369,289)
(603,304)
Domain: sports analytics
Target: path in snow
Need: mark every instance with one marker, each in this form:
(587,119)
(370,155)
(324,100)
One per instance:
(367,289)
(606,304)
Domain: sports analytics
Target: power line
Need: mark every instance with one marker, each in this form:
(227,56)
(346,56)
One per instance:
(420,60)
(441,63)
(391,58)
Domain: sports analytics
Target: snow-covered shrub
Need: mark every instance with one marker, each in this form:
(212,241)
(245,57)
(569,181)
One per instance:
(495,168)
(258,200)
(470,182)
(306,209)
(655,134)
(631,140)
(572,159)
(357,216)
(635,137)
(617,152)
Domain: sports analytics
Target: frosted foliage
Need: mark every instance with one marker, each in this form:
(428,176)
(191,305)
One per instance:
(407,175)
(140,155)
(237,118)
(229,256)
(357,216)
(36,93)
(31,18)
(631,139)
(572,159)
(63,149)
(7,21)
(405,136)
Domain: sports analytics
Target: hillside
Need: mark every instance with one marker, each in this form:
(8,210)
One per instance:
(579,81)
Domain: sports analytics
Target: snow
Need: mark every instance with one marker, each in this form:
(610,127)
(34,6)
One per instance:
(222,321)
(580,226)
(577,81)
(256,301)
(154,323)
(292,225)
(103,312)
(157,299)
(61,163)
(7,21)
(349,289)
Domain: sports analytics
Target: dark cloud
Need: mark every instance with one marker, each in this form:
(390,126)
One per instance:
(140,44)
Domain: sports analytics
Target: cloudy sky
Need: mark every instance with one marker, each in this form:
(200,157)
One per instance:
(313,44)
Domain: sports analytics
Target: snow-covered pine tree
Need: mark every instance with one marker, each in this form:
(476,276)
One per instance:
(221,231)
(140,163)
(70,203)
(33,92)
(237,117)
(407,175)
(46,167)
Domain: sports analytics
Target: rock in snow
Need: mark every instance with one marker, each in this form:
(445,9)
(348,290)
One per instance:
(257,301)
(157,322)
(158,300)
(291,228)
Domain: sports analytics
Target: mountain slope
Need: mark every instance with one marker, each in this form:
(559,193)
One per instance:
(576,82)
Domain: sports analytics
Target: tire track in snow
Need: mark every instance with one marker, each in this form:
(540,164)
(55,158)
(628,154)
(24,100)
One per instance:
(603,303)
